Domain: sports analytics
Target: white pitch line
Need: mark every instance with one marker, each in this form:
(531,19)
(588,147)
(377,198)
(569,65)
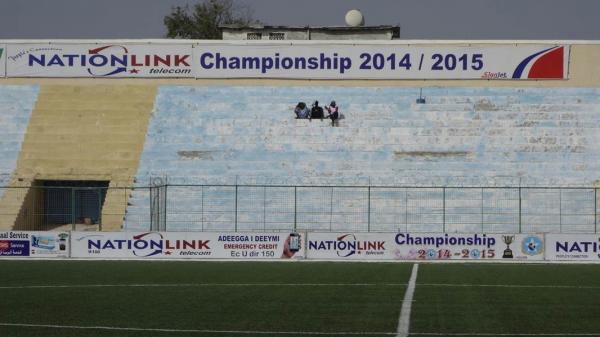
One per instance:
(304,333)
(77,327)
(466,285)
(177,285)
(404,320)
(183,285)
(501,334)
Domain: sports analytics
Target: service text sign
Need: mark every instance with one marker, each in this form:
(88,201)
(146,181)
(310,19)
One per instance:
(34,244)
(188,245)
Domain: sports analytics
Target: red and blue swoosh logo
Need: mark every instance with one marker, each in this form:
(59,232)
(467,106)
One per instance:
(546,64)
(117,70)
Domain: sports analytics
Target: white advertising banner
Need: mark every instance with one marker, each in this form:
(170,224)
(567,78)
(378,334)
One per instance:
(573,247)
(187,245)
(2,60)
(99,60)
(382,61)
(425,246)
(350,246)
(34,244)
(454,246)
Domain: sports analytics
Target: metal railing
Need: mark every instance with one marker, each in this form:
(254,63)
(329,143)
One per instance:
(315,208)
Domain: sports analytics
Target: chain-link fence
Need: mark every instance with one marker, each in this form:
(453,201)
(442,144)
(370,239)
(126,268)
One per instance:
(374,209)
(313,208)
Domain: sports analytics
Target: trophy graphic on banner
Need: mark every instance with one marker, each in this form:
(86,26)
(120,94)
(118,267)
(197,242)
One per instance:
(508,253)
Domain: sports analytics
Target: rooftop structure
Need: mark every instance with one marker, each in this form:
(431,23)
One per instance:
(354,30)
(260,32)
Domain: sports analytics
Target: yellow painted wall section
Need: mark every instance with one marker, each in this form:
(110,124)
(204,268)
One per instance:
(82,132)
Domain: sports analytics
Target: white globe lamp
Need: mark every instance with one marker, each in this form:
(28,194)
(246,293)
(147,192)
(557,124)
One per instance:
(354,18)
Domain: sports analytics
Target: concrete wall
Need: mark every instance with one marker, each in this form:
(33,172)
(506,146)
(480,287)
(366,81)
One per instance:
(16,104)
(460,137)
(243,34)
(472,136)
(312,34)
(82,133)
(340,35)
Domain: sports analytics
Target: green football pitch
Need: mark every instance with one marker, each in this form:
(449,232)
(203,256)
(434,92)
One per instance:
(133,298)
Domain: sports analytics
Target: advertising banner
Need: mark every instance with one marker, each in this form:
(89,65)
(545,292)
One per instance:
(440,246)
(99,60)
(2,60)
(381,61)
(34,244)
(573,247)
(350,246)
(189,245)
(425,246)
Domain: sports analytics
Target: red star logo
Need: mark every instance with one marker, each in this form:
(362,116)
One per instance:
(167,253)
(134,71)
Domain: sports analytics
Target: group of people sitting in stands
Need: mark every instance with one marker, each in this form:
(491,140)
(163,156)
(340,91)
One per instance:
(303,112)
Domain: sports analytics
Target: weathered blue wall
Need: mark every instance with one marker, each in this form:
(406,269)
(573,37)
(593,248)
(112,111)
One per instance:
(460,137)
(16,104)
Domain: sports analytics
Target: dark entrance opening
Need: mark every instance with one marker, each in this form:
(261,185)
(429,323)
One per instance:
(72,201)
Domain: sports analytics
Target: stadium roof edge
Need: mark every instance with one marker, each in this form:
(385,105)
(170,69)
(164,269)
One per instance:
(334,28)
(287,42)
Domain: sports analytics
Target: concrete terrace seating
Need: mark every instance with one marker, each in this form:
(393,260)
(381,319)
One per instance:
(16,104)
(461,137)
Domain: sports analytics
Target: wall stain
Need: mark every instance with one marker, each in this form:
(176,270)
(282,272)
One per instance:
(195,155)
(431,154)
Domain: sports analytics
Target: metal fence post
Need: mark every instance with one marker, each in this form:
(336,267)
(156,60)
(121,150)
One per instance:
(151,207)
(560,210)
(331,210)
(126,201)
(295,207)
(369,209)
(236,208)
(99,190)
(34,223)
(406,210)
(164,217)
(482,229)
(73,208)
(443,209)
(520,213)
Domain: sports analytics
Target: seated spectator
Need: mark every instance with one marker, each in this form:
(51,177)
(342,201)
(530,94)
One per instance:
(302,111)
(333,111)
(316,111)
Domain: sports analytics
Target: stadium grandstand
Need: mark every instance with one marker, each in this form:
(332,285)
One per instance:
(167,151)
(214,153)
(299,144)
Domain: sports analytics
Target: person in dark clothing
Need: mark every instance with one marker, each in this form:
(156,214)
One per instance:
(333,111)
(316,111)
(302,111)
